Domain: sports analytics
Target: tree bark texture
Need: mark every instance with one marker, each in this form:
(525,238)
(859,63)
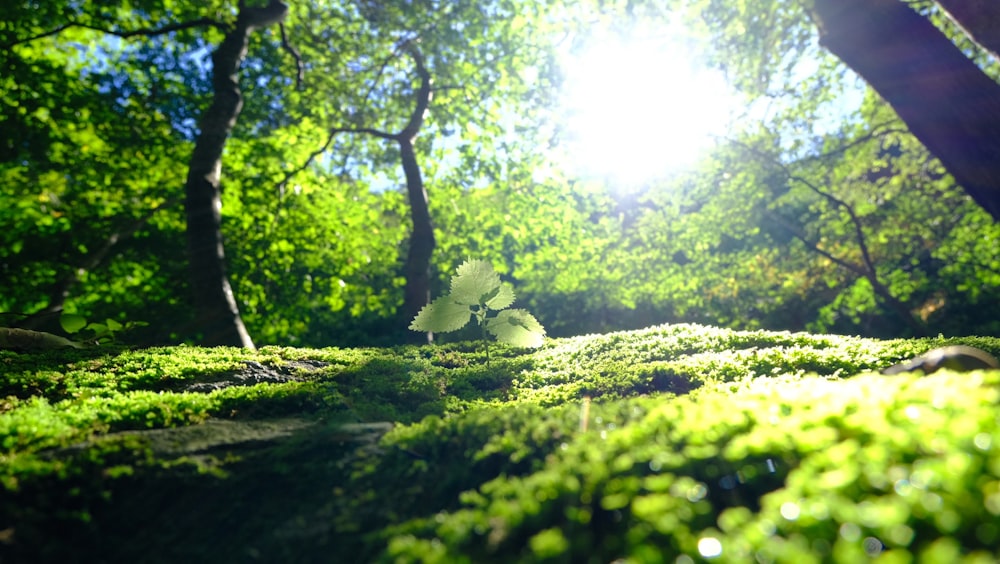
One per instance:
(946,101)
(417,268)
(218,314)
(979,18)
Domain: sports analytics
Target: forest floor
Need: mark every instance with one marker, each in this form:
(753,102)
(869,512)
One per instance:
(676,443)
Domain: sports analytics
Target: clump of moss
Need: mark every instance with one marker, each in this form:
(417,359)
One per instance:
(792,470)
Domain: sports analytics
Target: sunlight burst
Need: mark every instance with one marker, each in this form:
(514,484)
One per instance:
(640,108)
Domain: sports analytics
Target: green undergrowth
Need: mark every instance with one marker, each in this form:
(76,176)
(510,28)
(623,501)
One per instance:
(677,443)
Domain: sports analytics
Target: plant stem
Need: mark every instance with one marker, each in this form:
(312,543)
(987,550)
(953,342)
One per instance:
(482,324)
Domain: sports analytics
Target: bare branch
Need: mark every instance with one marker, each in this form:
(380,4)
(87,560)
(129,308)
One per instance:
(49,33)
(867,270)
(855,220)
(300,69)
(424,94)
(144,31)
(798,234)
(329,140)
(364,99)
(381,68)
(60,291)
(874,134)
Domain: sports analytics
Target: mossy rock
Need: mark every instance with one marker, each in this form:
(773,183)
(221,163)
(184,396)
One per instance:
(677,443)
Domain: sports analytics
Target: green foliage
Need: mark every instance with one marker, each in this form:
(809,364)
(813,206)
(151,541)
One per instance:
(97,333)
(314,224)
(102,131)
(476,290)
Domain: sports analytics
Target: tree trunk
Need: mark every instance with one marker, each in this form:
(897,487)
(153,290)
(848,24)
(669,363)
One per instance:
(218,315)
(946,101)
(417,269)
(979,18)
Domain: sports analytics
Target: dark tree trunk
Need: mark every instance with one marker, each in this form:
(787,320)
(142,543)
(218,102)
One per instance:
(417,269)
(946,101)
(218,316)
(979,18)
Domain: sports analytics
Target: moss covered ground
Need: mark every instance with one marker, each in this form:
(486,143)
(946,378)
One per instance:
(677,443)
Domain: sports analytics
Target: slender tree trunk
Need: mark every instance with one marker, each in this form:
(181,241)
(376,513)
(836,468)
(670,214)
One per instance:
(946,101)
(417,268)
(979,18)
(218,315)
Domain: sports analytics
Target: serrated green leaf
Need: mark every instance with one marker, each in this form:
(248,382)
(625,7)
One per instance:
(485,298)
(517,327)
(502,297)
(441,316)
(475,280)
(71,322)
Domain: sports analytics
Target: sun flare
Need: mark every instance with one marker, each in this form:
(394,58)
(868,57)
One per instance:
(640,108)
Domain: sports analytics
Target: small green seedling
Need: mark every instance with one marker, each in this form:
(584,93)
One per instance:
(475,290)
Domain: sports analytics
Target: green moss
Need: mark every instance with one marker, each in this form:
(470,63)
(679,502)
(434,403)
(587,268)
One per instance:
(781,470)
(673,441)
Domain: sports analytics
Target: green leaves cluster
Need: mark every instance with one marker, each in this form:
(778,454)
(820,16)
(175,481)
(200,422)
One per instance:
(475,290)
(93,332)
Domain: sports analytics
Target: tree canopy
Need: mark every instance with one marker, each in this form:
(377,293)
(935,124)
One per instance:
(313,173)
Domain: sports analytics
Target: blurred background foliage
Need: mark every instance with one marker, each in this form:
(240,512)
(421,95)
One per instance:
(792,221)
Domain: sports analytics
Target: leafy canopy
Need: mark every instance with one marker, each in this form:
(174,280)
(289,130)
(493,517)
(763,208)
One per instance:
(475,290)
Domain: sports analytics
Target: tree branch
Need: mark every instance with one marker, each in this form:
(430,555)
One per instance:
(424,95)
(300,69)
(367,96)
(61,290)
(867,270)
(329,140)
(797,233)
(144,31)
(859,234)
(874,134)
(855,221)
